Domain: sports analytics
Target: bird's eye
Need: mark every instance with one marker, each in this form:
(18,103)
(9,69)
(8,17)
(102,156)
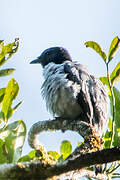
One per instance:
(47,53)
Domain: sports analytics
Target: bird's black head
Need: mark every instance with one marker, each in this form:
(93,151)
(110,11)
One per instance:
(58,55)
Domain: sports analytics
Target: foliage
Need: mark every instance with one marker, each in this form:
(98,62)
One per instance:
(65,151)
(12,135)
(112,135)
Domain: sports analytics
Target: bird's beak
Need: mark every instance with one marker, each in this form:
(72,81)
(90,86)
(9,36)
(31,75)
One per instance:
(36,61)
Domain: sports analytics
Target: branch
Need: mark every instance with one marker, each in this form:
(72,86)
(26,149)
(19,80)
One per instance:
(39,170)
(83,128)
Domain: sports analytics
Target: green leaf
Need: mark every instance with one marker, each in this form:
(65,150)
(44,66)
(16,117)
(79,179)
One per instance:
(10,113)
(8,50)
(115,75)
(104,80)
(32,154)
(117,106)
(1,45)
(6,72)
(12,110)
(118,131)
(2,93)
(10,94)
(2,117)
(117,116)
(65,149)
(107,139)
(97,48)
(110,124)
(116,140)
(3,158)
(14,136)
(54,154)
(113,48)
(25,158)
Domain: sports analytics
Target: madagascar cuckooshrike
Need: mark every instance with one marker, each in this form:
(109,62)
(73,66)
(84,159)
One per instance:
(70,91)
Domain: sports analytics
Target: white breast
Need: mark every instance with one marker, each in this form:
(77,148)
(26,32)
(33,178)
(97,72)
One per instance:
(60,93)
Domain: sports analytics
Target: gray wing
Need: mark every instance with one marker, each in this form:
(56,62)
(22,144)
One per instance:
(92,97)
(96,98)
(100,104)
(78,74)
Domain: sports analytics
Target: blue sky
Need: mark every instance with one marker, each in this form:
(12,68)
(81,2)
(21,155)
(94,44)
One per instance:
(41,24)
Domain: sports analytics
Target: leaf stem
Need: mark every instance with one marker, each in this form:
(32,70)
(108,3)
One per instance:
(113,103)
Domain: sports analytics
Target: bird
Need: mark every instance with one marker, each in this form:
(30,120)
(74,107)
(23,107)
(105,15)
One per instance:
(70,91)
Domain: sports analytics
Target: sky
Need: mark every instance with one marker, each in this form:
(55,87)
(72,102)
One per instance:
(42,24)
